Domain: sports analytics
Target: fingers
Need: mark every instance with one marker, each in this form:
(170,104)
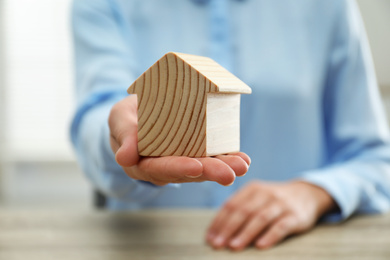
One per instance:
(180,169)
(221,234)
(230,206)
(243,156)
(236,163)
(217,170)
(280,229)
(170,169)
(239,226)
(256,225)
(234,214)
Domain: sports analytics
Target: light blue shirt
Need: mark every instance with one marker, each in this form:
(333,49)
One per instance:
(314,114)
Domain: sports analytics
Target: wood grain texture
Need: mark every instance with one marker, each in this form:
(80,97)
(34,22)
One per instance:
(172,105)
(173,235)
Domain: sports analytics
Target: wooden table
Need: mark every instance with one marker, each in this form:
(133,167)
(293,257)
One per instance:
(31,235)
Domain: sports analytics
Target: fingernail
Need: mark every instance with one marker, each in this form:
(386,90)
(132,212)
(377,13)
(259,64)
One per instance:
(230,184)
(219,241)
(210,236)
(194,176)
(247,169)
(262,243)
(235,243)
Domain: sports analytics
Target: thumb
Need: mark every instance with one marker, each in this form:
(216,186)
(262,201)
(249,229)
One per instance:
(127,154)
(123,127)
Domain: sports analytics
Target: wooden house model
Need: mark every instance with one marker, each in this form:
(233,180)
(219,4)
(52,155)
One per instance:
(188,106)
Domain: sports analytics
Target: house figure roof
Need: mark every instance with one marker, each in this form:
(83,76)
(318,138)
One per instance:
(218,79)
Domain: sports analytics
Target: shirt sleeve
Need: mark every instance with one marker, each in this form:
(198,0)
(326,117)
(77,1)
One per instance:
(104,70)
(358,171)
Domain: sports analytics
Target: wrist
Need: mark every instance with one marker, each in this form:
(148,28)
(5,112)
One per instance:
(324,202)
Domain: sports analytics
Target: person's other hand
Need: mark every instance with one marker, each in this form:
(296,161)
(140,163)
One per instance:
(170,169)
(266,213)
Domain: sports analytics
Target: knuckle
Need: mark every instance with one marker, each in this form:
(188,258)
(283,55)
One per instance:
(300,222)
(230,206)
(286,224)
(263,216)
(245,210)
(282,225)
(298,217)
(302,217)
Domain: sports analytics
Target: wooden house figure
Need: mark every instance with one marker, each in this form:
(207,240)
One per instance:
(188,106)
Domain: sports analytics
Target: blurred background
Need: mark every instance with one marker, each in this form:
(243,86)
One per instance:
(37,166)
